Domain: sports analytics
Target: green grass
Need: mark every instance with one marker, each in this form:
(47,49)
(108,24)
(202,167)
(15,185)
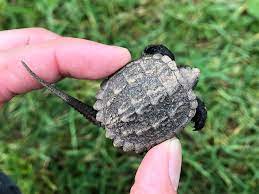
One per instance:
(49,148)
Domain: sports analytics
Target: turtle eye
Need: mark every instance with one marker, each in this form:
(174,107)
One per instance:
(161,49)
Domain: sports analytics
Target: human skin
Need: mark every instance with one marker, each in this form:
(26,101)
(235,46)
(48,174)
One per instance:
(54,57)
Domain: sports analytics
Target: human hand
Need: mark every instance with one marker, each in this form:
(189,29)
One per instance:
(53,57)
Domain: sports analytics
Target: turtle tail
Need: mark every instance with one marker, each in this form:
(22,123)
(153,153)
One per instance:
(86,110)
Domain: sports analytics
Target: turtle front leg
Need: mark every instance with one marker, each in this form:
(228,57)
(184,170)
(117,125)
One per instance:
(200,117)
(158,49)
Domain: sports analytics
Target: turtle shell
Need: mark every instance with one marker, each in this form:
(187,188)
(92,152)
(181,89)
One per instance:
(145,103)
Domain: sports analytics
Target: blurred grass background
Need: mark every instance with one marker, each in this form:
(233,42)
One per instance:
(49,148)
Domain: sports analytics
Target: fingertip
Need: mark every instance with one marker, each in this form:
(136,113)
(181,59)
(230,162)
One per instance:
(125,55)
(123,52)
(119,57)
(116,57)
(159,171)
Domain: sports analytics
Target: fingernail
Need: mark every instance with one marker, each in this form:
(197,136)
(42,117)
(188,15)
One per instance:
(175,161)
(124,52)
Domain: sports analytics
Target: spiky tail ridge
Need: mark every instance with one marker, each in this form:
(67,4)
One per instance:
(86,110)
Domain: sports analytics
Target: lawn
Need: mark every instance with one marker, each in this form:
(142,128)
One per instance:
(49,148)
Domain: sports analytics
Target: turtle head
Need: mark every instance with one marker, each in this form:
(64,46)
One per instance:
(161,49)
(191,75)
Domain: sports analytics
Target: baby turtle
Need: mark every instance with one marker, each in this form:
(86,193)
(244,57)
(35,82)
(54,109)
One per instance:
(146,102)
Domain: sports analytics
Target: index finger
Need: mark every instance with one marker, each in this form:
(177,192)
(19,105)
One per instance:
(52,60)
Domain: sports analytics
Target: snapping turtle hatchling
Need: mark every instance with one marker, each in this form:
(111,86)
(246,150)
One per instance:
(144,103)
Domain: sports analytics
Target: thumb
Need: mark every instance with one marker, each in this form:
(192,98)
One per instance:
(160,169)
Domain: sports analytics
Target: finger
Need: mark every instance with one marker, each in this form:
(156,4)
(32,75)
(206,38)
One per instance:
(62,57)
(21,37)
(160,169)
